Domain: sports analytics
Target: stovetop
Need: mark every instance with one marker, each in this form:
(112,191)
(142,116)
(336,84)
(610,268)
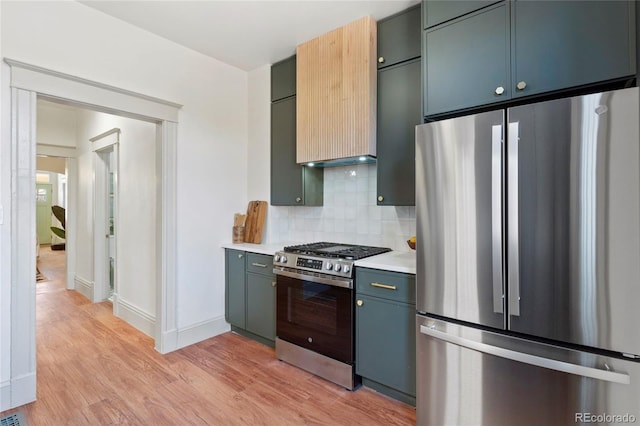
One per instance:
(336,250)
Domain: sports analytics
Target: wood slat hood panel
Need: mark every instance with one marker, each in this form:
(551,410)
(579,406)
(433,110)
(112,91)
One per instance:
(336,94)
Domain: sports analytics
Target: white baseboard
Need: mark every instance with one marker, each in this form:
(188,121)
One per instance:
(134,316)
(201,331)
(169,342)
(84,287)
(17,392)
(71,282)
(5,396)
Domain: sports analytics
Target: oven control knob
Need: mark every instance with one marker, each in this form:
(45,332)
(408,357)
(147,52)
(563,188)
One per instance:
(283,259)
(329,266)
(337,268)
(276,258)
(346,269)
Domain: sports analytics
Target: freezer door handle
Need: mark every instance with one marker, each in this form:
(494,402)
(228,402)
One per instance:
(496,217)
(513,243)
(565,367)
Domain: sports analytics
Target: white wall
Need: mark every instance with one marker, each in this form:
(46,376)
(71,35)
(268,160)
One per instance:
(56,125)
(135,232)
(212,133)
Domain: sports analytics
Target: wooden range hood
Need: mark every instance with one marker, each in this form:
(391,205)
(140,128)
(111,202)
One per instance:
(336,96)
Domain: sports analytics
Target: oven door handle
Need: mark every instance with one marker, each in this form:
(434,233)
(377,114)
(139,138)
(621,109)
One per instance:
(336,282)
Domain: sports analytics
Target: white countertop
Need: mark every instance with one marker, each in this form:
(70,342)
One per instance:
(396,261)
(269,249)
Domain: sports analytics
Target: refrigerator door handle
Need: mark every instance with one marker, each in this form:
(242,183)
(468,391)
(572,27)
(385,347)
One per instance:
(513,243)
(565,367)
(496,215)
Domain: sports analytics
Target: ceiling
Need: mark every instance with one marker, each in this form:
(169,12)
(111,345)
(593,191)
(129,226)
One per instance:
(245,34)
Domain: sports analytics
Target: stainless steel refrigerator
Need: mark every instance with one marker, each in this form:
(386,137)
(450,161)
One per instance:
(528,264)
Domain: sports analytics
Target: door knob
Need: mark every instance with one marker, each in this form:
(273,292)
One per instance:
(359,303)
(521,85)
(499,90)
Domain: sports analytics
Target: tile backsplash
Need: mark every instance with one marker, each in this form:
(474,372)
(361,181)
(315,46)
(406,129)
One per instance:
(349,214)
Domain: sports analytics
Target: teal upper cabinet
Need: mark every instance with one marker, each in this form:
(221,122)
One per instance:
(291,183)
(399,37)
(560,44)
(399,106)
(399,111)
(283,79)
(520,48)
(436,12)
(467,61)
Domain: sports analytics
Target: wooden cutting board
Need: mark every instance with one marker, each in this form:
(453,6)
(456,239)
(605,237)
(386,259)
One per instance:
(256,214)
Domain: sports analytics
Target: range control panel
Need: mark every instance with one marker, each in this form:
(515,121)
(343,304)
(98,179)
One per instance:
(304,262)
(330,266)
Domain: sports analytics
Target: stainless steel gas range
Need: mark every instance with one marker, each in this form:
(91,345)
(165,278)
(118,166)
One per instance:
(315,308)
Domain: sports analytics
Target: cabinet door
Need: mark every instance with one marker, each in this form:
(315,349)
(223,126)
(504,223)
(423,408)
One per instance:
(235,287)
(467,61)
(399,38)
(439,11)
(283,79)
(561,44)
(399,111)
(261,305)
(286,175)
(386,343)
(291,183)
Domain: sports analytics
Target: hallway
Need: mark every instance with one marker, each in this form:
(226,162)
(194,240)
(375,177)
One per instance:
(95,369)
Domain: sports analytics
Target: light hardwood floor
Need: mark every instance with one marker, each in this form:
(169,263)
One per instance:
(94,369)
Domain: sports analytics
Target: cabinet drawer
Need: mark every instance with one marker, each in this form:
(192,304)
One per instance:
(387,285)
(260,263)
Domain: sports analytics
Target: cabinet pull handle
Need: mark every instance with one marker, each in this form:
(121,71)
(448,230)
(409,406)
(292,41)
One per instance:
(380,198)
(381,59)
(499,90)
(240,256)
(298,199)
(273,283)
(385,286)
(521,85)
(261,265)
(359,303)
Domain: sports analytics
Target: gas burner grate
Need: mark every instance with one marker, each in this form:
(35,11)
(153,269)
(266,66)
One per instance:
(336,250)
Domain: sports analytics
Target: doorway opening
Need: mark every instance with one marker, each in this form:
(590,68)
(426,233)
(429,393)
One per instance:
(27,84)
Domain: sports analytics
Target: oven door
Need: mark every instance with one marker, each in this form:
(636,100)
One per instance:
(316,316)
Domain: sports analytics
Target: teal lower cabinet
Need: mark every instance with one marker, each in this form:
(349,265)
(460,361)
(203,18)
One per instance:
(261,305)
(250,295)
(235,310)
(385,333)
